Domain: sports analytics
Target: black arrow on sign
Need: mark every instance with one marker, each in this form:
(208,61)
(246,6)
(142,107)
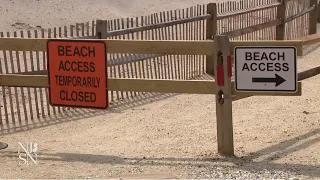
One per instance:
(278,80)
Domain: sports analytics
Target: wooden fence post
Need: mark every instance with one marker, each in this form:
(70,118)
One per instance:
(281,14)
(223,74)
(318,12)
(102,29)
(313,17)
(211,31)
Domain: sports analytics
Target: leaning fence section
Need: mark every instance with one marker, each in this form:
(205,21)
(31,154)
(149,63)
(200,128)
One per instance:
(154,66)
(259,19)
(247,19)
(299,26)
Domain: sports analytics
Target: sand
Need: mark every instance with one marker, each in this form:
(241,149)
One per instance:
(171,136)
(54,13)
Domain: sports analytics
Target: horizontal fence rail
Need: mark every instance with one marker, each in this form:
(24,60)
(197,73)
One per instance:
(246,11)
(300,14)
(141,85)
(148,46)
(157,26)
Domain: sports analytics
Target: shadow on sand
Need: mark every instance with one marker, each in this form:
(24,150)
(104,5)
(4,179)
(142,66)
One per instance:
(248,163)
(75,114)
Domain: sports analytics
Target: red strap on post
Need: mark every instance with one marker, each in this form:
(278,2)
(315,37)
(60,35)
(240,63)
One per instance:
(220,73)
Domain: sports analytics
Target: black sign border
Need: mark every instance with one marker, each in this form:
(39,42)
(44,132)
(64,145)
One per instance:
(106,71)
(266,47)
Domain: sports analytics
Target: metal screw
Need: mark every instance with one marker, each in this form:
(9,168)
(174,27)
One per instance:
(220,97)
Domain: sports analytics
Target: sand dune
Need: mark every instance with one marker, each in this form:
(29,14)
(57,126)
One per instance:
(54,13)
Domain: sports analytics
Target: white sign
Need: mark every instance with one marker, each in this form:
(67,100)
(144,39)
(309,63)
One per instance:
(266,68)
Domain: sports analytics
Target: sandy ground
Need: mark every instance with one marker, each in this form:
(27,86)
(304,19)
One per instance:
(54,13)
(170,136)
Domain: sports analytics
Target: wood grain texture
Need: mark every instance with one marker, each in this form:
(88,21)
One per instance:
(313,17)
(123,84)
(183,47)
(241,12)
(223,98)
(281,14)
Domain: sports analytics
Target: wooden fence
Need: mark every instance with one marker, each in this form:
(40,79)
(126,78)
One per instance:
(240,20)
(163,47)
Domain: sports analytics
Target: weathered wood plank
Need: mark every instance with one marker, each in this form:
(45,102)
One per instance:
(250,29)
(127,84)
(281,14)
(246,11)
(300,14)
(313,17)
(158,25)
(148,46)
(311,39)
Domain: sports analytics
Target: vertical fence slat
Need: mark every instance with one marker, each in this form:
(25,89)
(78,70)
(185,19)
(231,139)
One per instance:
(163,37)
(15,89)
(153,59)
(172,62)
(5,104)
(138,37)
(38,69)
(31,55)
(204,10)
(115,55)
(178,57)
(24,56)
(92,28)
(167,63)
(49,36)
(124,69)
(142,35)
(44,67)
(17,55)
(118,55)
(149,63)
(197,35)
(111,69)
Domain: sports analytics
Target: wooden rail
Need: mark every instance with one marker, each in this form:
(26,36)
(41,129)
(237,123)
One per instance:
(209,16)
(139,85)
(131,59)
(123,84)
(223,16)
(157,26)
(165,47)
(187,20)
(311,39)
(300,14)
(247,30)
